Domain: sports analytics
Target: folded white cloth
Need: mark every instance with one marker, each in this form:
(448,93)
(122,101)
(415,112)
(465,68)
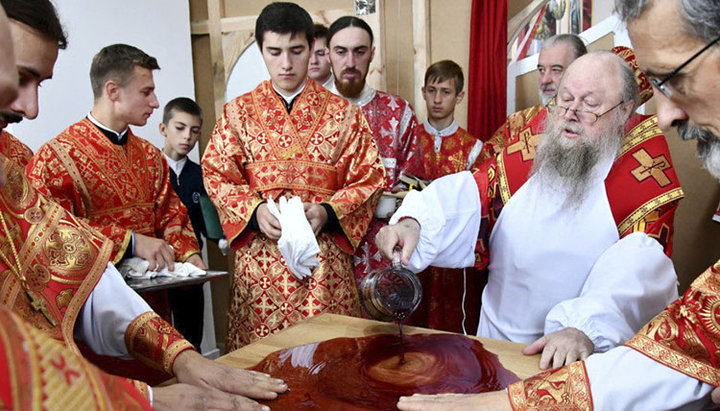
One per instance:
(136,267)
(297,242)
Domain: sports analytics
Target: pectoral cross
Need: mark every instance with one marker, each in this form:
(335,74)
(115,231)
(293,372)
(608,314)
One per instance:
(38,304)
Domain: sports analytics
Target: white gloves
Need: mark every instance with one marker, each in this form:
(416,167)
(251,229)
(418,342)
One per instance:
(297,242)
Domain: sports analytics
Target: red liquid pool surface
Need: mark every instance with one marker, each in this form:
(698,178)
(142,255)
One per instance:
(366,374)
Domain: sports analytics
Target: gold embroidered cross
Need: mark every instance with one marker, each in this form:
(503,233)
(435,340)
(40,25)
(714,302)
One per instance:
(526,145)
(651,167)
(38,304)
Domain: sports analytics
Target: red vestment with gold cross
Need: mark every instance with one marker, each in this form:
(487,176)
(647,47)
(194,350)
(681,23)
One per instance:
(441,306)
(116,189)
(37,372)
(642,187)
(63,260)
(321,151)
(392,122)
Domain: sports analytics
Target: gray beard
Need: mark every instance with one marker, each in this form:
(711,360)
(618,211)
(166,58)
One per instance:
(569,166)
(708,146)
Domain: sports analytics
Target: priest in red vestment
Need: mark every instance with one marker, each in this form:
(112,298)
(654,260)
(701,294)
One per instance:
(290,137)
(391,118)
(574,226)
(555,56)
(672,362)
(451,297)
(56,273)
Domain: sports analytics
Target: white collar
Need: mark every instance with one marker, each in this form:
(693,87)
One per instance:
(176,166)
(449,130)
(289,98)
(366,95)
(100,125)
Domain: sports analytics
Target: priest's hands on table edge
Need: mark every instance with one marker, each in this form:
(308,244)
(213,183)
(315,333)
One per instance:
(497,400)
(197,261)
(316,216)
(404,234)
(156,251)
(561,347)
(269,225)
(204,384)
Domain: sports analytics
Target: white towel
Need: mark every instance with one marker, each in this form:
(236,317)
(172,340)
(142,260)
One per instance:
(297,242)
(136,267)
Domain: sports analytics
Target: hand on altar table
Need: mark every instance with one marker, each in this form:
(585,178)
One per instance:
(561,347)
(197,261)
(316,216)
(204,382)
(268,223)
(405,234)
(156,251)
(715,395)
(497,400)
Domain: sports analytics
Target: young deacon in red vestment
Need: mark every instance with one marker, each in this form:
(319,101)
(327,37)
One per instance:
(101,172)
(391,119)
(56,272)
(290,137)
(446,148)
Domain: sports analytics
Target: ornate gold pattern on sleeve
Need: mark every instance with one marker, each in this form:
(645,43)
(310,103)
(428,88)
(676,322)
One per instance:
(686,336)
(566,388)
(153,341)
(38,372)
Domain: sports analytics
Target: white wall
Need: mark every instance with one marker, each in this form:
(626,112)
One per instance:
(161,28)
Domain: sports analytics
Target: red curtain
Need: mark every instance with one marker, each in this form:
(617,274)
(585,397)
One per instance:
(487,77)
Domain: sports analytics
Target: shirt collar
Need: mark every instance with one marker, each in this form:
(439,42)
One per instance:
(289,98)
(112,135)
(449,130)
(366,95)
(176,166)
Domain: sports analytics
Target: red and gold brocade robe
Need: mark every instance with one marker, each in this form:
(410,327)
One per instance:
(117,189)
(443,288)
(392,121)
(14,149)
(322,151)
(39,373)
(510,129)
(63,260)
(642,187)
(684,337)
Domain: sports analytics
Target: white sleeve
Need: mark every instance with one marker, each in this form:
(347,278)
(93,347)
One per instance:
(624,379)
(107,313)
(628,285)
(448,211)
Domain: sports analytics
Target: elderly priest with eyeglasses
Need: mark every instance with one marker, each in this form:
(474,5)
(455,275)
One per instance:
(574,224)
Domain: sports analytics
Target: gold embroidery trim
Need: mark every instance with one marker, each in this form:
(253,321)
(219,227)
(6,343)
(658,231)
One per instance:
(648,207)
(674,359)
(503,184)
(642,132)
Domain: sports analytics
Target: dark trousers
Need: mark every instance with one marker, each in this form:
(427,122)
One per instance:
(187,305)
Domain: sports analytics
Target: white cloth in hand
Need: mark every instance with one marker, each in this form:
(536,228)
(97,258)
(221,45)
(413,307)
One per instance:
(136,267)
(297,242)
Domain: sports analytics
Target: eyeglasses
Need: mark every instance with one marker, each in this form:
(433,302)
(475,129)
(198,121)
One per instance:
(587,117)
(667,89)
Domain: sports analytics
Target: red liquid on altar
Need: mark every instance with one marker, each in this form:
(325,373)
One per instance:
(366,374)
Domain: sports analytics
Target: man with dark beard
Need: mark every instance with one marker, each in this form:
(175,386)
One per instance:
(391,120)
(672,363)
(575,239)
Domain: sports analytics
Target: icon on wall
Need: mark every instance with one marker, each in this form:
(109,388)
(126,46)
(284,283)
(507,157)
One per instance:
(364,7)
(555,17)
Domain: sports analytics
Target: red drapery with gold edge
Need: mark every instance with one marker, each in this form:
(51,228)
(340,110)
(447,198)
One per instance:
(487,77)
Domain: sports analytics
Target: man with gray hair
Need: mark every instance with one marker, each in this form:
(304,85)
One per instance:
(555,56)
(575,240)
(672,362)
